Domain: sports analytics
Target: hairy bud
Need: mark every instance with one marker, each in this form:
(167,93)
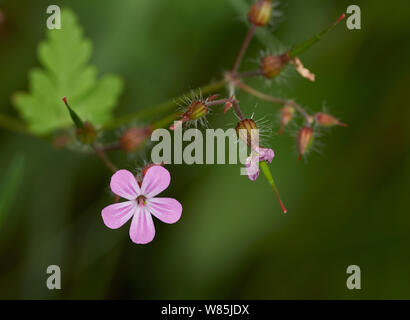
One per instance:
(327,120)
(260,13)
(287,113)
(271,66)
(87,133)
(248,125)
(133,138)
(196,110)
(304,141)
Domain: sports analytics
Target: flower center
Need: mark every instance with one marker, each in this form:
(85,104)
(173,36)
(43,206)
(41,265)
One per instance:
(141,200)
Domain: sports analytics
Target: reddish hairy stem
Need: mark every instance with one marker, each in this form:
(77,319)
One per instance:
(243,49)
(268,98)
(101,154)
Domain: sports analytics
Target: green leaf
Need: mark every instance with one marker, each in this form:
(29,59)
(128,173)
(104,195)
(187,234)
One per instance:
(10,184)
(64,57)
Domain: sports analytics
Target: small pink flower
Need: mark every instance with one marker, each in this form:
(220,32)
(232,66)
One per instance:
(252,162)
(141,204)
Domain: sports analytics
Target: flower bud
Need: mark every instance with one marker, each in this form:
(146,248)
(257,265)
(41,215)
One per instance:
(195,111)
(260,13)
(248,125)
(133,138)
(271,66)
(327,120)
(305,140)
(87,133)
(287,113)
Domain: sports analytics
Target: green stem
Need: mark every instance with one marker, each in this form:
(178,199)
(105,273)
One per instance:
(12,124)
(165,121)
(163,107)
(298,49)
(268,175)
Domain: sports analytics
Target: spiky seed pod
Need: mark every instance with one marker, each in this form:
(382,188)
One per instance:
(260,13)
(272,65)
(327,120)
(304,141)
(248,125)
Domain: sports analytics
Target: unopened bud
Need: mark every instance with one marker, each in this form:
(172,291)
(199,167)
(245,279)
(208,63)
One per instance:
(248,125)
(327,120)
(287,113)
(260,13)
(195,111)
(271,66)
(87,133)
(305,141)
(133,138)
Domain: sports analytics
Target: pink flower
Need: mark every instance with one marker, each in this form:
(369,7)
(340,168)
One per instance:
(141,204)
(252,162)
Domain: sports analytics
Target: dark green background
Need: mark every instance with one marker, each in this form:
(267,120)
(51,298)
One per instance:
(348,203)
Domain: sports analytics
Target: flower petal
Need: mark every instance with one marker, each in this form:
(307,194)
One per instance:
(167,210)
(155,181)
(252,168)
(115,215)
(266,154)
(142,228)
(124,184)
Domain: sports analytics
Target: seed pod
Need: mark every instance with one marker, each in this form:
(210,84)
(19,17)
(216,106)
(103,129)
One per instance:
(327,120)
(304,141)
(248,125)
(287,113)
(260,13)
(87,133)
(271,66)
(133,138)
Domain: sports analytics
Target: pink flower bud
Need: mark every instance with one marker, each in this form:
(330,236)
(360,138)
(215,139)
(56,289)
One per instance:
(133,138)
(287,113)
(304,141)
(260,13)
(271,66)
(327,120)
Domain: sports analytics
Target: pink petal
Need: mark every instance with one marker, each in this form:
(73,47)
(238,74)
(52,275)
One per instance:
(142,228)
(115,215)
(156,180)
(266,154)
(124,184)
(167,210)
(252,168)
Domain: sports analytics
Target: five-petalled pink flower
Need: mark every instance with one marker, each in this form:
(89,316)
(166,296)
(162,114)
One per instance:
(142,203)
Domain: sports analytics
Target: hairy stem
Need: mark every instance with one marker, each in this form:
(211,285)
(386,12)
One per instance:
(243,49)
(101,154)
(163,107)
(268,98)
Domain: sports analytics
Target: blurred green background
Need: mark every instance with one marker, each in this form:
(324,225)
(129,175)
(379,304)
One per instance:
(347,203)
